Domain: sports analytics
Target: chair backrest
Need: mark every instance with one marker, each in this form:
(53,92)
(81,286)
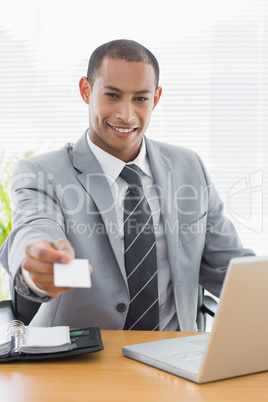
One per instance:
(24,309)
(200,316)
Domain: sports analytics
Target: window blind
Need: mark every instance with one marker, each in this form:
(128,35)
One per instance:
(213,60)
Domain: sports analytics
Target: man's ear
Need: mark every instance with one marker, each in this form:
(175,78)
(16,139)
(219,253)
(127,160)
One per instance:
(84,89)
(157,96)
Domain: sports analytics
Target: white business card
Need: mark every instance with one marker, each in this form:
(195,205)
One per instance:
(76,274)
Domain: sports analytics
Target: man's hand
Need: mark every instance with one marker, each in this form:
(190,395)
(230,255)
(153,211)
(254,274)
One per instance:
(40,257)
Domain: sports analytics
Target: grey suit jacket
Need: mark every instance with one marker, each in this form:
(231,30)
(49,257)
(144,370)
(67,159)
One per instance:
(64,194)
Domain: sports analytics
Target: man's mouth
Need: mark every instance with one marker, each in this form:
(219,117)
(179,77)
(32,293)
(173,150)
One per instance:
(124,130)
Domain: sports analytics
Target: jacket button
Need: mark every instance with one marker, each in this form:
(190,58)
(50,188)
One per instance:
(121,307)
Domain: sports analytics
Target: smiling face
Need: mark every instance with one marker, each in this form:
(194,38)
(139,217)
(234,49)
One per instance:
(120,102)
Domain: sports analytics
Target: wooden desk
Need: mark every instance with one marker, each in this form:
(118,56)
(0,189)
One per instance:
(109,376)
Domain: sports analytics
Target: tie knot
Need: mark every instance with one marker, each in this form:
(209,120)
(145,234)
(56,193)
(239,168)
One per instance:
(131,174)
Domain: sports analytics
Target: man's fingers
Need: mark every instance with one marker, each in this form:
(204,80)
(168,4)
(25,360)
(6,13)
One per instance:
(43,277)
(64,246)
(46,283)
(39,267)
(49,252)
(40,259)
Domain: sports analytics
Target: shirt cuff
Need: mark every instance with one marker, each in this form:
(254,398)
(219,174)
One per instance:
(27,278)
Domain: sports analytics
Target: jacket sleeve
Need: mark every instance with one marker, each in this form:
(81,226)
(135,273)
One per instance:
(36,215)
(222,242)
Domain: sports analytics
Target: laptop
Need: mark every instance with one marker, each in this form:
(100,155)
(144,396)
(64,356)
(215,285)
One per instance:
(238,342)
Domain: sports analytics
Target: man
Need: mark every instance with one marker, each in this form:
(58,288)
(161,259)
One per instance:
(69,203)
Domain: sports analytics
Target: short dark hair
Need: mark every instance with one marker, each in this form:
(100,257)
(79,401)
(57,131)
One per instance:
(121,49)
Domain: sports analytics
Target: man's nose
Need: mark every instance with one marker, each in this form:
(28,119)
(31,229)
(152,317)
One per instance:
(126,112)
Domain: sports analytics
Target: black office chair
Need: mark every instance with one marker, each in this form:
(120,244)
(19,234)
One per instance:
(23,309)
(17,308)
(206,306)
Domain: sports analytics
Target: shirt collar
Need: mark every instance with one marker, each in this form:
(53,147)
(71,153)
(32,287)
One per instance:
(113,166)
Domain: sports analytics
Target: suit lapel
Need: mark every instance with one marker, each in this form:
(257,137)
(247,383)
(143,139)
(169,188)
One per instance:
(163,174)
(164,179)
(96,185)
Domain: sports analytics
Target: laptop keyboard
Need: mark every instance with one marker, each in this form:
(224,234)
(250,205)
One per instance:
(193,357)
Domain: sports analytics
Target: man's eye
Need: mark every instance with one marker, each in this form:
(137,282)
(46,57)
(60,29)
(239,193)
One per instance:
(111,95)
(141,98)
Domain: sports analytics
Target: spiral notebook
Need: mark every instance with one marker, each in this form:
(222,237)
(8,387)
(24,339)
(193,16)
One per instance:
(20,342)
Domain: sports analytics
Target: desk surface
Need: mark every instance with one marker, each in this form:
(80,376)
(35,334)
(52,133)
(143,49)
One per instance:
(109,376)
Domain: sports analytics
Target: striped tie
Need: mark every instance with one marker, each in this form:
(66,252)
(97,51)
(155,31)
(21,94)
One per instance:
(140,255)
